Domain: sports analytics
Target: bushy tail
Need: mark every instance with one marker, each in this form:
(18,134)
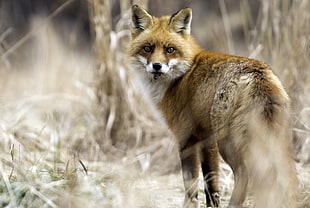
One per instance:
(270,162)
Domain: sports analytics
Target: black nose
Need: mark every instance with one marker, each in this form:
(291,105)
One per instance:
(157,66)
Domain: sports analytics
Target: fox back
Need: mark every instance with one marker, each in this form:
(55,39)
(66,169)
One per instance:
(216,103)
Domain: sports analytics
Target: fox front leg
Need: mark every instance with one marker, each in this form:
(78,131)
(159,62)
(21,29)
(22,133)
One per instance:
(190,169)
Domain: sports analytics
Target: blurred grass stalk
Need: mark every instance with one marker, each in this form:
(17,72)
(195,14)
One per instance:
(115,93)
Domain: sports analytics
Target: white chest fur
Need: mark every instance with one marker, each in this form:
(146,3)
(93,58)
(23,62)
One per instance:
(153,90)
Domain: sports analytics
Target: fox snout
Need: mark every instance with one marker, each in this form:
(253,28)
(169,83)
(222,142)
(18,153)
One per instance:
(157,70)
(157,66)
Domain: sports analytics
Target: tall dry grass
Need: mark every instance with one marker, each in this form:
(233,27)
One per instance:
(74,131)
(280,37)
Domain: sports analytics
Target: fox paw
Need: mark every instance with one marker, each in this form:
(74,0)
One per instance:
(215,202)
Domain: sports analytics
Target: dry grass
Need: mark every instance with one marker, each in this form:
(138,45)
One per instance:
(282,39)
(56,141)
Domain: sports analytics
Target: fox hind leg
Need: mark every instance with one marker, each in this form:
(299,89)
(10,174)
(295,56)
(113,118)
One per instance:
(210,167)
(232,155)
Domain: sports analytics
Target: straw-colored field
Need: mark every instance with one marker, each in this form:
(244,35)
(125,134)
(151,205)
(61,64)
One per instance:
(60,147)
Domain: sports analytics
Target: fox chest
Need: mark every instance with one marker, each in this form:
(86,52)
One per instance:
(153,90)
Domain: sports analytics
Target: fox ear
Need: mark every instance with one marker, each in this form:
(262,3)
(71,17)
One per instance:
(180,22)
(141,20)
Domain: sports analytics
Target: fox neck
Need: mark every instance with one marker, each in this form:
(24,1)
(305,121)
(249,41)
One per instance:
(153,90)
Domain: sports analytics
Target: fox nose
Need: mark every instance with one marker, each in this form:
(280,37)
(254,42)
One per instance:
(157,66)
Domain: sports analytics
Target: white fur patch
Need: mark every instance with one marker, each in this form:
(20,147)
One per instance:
(247,78)
(178,68)
(155,90)
(276,81)
(142,60)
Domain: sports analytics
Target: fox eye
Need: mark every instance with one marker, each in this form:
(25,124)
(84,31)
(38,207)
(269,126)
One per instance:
(170,49)
(147,49)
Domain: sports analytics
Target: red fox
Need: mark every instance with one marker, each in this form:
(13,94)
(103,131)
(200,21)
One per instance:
(216,103)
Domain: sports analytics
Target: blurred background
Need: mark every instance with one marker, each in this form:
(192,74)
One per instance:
(73,123)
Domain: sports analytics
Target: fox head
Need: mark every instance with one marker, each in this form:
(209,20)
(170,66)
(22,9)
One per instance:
(161,48)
